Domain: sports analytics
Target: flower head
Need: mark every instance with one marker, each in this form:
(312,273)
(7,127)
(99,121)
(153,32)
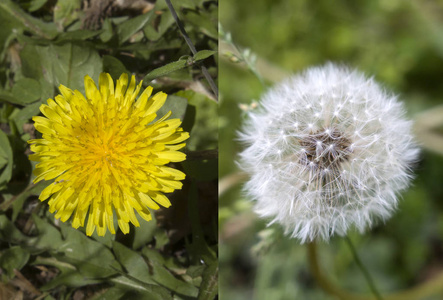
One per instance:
(107,154)
(327,149)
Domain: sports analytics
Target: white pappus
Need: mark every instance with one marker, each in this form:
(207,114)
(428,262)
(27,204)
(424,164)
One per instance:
(327,150)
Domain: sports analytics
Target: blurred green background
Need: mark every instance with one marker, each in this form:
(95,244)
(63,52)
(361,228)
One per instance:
(400,43)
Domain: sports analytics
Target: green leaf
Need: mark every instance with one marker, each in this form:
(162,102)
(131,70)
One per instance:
(203,54)
(204,134)
(69,275)
(176,105)
(10,26)
(13,258)
(25,114)
(66,11)
(36,5)
(203,21)
(113,293)
(17,204)
(6,96)
(161,275)
(34,25)
(133,262)
(138,274)
(92,258)
(81,34)
(48,238)
(6,154)
(209,285)
(3,162)
(166,69)
(71,62)
(195,271)
(113,66)
(10,233)
(107,33)
(144,233)
(136,289)
(36,65)
(158,26)
(65,64)
(128,28)
(26,90)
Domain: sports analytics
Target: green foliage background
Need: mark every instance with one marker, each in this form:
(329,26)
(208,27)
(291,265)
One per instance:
(397,42)
(47,43)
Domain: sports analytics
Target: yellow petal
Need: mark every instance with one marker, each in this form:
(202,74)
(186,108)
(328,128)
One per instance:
(173,156)
(161,199)
(148,201)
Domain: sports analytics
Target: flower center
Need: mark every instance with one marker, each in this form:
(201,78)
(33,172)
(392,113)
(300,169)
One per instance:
(325,149)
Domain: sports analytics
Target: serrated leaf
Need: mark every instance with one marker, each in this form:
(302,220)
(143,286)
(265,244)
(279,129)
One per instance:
(49,237)
(138,273)
(128,28)
(137,289)
(166,69)
(26,90)
(161,275)
(132,262)
(203,54)
(90,257)
(69,275)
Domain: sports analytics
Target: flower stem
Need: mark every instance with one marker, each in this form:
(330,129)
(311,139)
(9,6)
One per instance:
(363,269)
(432,286)
(192,48)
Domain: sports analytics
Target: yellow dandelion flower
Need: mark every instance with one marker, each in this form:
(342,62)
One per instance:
(107,154)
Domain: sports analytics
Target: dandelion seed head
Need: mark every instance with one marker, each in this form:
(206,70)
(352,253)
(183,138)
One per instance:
(347,155)
(107,154)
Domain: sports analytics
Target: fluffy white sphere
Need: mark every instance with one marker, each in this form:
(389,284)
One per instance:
(327,150)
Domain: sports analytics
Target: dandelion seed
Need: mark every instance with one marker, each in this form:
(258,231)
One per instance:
(345,171)
(107,154)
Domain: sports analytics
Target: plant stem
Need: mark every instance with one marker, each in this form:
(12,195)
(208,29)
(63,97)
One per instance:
(192,47)
(322,280)
(363,269)
(432,286)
